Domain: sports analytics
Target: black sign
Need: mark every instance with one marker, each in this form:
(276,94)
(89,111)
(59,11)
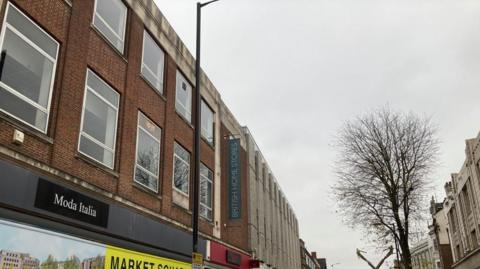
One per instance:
(234,258)
(69,203)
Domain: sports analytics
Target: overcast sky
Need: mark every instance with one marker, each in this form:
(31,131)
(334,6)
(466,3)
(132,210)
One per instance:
(294,71)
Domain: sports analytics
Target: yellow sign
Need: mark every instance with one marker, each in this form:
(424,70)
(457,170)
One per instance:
(118,258)
(197,258)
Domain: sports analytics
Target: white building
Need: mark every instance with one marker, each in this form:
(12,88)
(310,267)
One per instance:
(17,260)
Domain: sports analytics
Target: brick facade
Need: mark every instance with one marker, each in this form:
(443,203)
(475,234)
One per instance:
(82,47)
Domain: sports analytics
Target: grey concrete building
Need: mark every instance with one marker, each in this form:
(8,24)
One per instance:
(422,255)
(462,209)
(273,226)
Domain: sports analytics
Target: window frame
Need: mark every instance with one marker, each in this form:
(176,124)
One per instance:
(189,120)
(39,50)
(189,170)
(211,193)
(122,51)
(92,139)
(136,152)
(162,78)
(203,101)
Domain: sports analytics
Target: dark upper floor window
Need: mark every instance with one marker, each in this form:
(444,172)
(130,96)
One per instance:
(27,69)
(99,121)
(110,18)
(147,162)
(153,60)
(181,170)
(207,123)
(183,97)
(206,187)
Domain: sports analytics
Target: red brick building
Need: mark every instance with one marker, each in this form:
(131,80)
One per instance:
(96,104)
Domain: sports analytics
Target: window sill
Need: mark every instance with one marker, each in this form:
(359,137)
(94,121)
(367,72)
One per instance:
(211,145)
(185,120)
(176,190)
(26,129)
(88,160)
(188,211)
(153,88)
(207,221)
(122,56)
(142,188)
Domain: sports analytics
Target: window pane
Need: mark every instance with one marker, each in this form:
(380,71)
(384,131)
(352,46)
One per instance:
(182,153)
(181,171)
(205,212)
(152,62)
(149,126)
(96,152)
(15,106)
(32,32)
(206,192)
(183,102)
(110,20)
(26,70)
(207,122)
(102,88)
(181,175)
(206,179)
(99,120)
(146,179)
(148,152)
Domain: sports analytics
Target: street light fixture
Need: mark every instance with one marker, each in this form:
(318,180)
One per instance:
(333,265)
(196,180)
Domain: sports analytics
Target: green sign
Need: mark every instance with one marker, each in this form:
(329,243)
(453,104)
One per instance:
(234,180)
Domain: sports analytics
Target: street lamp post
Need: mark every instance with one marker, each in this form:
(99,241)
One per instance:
(196,180)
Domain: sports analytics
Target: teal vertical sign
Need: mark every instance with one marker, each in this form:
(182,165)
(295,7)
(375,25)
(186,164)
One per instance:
(234,187)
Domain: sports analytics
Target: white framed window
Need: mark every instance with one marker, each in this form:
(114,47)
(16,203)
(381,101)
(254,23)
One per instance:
(110,18)
(147,158)
(181,169)
(98,130)
(207,123)
(153,59)
(183,97)
(27,69)
(206,185)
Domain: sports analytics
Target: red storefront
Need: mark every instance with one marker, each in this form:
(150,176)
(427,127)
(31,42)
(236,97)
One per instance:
(223,257)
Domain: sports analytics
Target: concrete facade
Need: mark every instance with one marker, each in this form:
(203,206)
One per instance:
(422,255)
(272,225)
(462,209)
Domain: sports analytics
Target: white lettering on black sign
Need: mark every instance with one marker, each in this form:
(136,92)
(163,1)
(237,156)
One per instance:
(69,203)
(74,206)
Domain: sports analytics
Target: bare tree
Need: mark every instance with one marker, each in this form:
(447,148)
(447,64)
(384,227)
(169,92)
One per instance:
(385,158)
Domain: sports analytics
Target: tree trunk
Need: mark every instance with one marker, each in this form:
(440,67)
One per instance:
(406,255)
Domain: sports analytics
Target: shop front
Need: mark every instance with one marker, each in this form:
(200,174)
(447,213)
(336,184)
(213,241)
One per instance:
(220,256)
(45,224)
(24,246)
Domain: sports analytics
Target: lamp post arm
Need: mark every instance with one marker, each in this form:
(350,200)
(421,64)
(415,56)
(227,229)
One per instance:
(207,3)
